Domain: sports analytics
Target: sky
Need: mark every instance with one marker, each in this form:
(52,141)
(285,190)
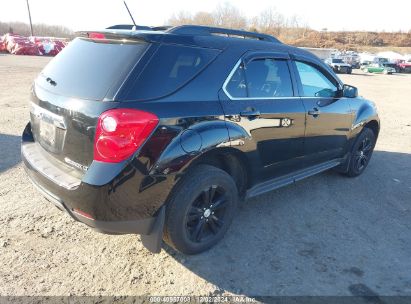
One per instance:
(334,15)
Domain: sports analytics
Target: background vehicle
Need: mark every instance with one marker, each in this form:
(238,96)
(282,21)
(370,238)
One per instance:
(352,59)
(378,68)
(392,66)
(380,60)
(338,65)
(365,63)
(386,63)
(355,64)
(182,125)
(404,66)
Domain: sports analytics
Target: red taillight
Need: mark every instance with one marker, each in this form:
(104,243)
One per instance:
(120,132)
(96,36)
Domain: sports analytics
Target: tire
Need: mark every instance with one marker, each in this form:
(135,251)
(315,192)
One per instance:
(361,152)
(200,210)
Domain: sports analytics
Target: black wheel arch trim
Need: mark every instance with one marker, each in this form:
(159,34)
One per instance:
(365,113)
(209,135)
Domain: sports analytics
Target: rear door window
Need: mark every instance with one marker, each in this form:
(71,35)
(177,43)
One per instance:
(87,69)
(171,67)
(261,78)
(268,78)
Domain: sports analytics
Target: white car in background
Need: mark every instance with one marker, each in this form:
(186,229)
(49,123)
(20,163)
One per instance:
(338,65)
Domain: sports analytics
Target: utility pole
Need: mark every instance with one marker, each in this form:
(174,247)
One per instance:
(31,24)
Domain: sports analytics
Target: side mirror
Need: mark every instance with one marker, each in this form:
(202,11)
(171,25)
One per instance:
(350,91)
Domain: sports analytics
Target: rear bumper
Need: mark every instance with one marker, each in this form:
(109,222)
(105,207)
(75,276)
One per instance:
(141,226)
(131,203)
(150,229)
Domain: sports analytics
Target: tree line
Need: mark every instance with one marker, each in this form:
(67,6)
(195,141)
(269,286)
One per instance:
(44,30)
(291,30)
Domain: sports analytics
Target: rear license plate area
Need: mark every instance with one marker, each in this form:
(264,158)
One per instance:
(48,133)
(48,128)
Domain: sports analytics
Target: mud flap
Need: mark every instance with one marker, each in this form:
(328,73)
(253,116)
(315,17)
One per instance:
(345,165)
(154,240)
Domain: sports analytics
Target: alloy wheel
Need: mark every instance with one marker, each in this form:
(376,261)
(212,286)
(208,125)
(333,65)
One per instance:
(205,217)
(363,154)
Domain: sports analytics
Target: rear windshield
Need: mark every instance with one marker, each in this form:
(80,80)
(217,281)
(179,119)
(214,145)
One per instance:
(87,69)
(170,68)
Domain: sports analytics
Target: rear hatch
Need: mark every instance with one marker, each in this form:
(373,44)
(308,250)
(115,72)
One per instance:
(73,90)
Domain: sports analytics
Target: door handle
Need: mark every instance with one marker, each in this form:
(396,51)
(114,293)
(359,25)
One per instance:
(250,113)
(314,112)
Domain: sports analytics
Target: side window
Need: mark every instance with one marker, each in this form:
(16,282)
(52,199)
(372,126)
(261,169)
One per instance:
(314,82)
(268,78)
(262,78)
(171,67)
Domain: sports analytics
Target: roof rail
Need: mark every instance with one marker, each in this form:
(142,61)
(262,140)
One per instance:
(161,28)
(206,30)
(128,27)
(138,27)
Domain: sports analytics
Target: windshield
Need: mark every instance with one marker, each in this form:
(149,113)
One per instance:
(337,61)
(87,69)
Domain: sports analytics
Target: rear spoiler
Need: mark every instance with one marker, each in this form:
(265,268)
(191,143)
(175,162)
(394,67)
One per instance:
(120,34)
(126,31)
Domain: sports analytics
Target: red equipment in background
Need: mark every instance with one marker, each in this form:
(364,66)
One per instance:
(35,46)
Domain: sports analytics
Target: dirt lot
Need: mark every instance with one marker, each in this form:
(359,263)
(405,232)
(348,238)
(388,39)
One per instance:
(327,235)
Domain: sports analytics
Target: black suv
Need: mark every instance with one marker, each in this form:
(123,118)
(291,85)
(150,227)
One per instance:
(163,132)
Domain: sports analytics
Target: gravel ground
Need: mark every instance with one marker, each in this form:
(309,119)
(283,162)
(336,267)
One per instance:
(326,235)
